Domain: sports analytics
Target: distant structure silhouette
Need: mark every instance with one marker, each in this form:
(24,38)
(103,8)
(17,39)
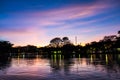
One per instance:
(75,40)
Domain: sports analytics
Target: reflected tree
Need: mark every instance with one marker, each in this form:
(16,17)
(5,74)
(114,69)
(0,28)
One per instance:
(4,62)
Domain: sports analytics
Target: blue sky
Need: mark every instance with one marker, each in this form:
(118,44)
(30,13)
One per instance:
(36,22)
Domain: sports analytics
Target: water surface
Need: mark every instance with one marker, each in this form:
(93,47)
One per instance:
(57,67)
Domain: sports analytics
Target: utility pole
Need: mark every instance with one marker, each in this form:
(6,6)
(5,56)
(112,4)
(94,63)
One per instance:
(75,40)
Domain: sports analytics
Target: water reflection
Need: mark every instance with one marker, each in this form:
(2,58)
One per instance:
(92,66)
(4,64)
(59,64)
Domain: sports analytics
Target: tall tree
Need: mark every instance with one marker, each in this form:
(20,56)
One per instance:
(5,46)
(66,40)
(119,33)
(56,42)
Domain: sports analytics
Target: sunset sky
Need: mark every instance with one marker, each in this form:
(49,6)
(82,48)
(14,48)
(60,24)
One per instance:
(36,22)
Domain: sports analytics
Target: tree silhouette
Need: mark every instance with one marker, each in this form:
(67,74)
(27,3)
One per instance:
(66,40)
(5,46)
(56,42)
(119,33)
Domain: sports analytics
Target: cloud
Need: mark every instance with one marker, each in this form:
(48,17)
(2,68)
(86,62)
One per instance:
(31,36)
(66,12)
(58,16)
(38,27)
(75,11)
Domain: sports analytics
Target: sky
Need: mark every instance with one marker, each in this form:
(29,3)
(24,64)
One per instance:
(36,22)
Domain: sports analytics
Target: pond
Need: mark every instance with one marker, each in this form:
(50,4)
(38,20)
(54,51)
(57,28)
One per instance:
(57,67)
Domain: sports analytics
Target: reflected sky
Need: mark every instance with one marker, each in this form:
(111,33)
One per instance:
(101,67)
(36,22)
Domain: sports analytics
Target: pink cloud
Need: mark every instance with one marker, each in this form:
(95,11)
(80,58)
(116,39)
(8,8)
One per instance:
(55,17)
(36,21)
(76,11)
(68,12)
(32,36)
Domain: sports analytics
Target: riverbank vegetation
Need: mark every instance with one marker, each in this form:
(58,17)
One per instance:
(109,44)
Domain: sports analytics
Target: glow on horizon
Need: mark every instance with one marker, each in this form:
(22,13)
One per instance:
(88,20)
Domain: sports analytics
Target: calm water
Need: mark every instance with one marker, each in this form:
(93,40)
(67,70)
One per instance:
(57,67)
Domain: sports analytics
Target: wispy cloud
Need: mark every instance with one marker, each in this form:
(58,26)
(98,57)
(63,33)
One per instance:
(72,12)
(31,36)
(40,26)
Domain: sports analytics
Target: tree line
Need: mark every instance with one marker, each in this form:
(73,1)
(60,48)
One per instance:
(109,44)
